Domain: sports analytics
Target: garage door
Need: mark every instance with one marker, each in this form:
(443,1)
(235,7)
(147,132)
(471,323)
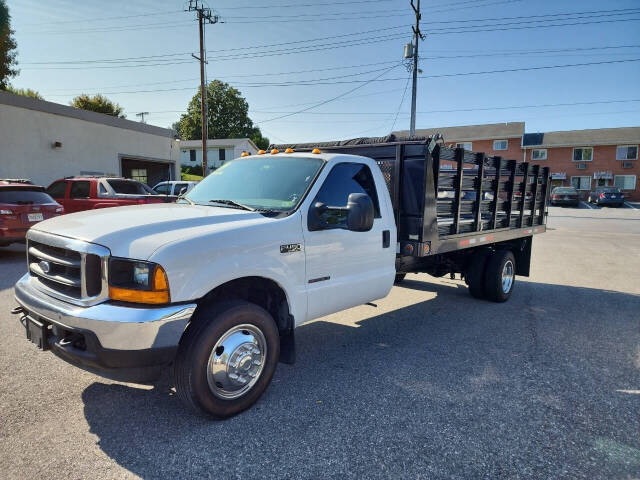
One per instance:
(146,171)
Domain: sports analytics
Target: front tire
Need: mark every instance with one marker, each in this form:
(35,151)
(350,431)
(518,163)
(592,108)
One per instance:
(226,358)
(500,275)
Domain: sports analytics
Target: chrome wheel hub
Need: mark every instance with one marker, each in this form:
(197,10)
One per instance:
(507,276)
(236,361)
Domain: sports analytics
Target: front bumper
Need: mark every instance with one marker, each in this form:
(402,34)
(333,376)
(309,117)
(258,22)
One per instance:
(114,340)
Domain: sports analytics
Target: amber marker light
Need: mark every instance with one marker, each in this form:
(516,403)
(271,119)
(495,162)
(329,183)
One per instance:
(316,151)
(289,150)
(156,294)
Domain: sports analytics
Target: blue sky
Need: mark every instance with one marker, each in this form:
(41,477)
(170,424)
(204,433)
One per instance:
(463,37)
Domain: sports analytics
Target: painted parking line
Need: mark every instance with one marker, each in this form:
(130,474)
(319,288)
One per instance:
(628,205)
(587,205)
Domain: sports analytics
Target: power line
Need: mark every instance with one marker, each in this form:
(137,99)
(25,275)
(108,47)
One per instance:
(119,17)
(302,5)
(247,47)
(461,110)
(404,93)
(378,79)
(344,94)
(328,46)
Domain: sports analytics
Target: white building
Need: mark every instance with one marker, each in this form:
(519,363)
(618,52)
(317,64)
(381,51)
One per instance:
(45,141)
(218,151)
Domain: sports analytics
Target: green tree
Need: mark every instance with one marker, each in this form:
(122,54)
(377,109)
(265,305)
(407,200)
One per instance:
(25,92)
(7,47)
(227,116)
(98,103)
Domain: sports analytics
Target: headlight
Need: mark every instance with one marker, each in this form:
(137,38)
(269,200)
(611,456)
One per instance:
(137,281)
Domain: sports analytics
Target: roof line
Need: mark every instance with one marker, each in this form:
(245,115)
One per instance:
(28,103)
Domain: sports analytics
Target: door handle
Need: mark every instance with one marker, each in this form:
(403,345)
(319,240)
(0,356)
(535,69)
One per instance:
(386,238)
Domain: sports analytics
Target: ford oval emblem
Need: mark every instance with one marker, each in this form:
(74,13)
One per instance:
(44,266)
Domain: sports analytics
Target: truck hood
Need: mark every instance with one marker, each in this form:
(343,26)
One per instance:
(139,230)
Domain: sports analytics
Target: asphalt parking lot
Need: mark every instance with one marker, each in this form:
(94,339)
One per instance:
(430,384)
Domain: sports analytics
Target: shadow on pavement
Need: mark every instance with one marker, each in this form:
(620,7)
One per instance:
(450,387)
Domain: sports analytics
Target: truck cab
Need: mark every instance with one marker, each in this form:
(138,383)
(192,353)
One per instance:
(263,244)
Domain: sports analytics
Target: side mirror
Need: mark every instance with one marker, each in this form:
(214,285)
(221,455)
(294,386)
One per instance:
(314,219)
(360,212)
(183,190)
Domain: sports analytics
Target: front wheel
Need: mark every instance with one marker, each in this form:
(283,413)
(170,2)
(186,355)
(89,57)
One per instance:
(226,358)
(500,275)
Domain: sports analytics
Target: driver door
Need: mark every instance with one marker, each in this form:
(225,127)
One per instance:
(346,268)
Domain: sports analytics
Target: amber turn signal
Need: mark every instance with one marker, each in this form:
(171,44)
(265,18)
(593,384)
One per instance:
(316,151)
(274,151)
(289,150)
(261,152)
(159,294)
(244,154)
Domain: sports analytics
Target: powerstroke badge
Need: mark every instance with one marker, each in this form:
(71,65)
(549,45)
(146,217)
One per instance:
(290,248)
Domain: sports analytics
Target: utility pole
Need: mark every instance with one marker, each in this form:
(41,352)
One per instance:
(417,36)
(141,115)
(204,16)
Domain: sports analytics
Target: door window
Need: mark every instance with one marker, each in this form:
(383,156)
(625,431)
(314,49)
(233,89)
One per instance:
(80,189)
(178,188)
(163,189)
(343,180)
(57,189)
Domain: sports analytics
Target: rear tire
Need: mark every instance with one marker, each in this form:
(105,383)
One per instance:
(399,278)
(499,275)
(226,358)
(475,274)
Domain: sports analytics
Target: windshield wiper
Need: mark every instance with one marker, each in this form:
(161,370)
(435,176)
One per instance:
(233,204)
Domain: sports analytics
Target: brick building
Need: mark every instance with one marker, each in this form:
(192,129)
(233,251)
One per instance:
(581,158)
(588,158)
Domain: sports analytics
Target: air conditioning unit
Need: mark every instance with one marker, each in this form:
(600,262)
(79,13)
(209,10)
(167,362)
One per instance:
(627,164)
(582,166)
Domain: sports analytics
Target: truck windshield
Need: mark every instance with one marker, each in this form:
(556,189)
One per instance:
(262,183)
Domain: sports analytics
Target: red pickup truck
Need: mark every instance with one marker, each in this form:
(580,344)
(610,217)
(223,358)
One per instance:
(76,194)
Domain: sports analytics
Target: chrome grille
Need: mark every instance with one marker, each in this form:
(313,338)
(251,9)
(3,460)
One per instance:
(69,269)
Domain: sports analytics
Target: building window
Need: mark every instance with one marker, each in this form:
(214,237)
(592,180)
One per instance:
(221,154)
(625,182)
(139,174)
(500,144)
(539,154)
(465,145)
(627,152)
(583,154)
(581,183)
(192,155)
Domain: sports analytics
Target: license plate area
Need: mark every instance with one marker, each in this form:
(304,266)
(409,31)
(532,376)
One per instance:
(37,333)
(35,217)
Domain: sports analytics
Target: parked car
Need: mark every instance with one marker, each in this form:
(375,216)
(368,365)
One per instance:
(565,196)
(610,196)
(87,193)
(21,206)
(173,187)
